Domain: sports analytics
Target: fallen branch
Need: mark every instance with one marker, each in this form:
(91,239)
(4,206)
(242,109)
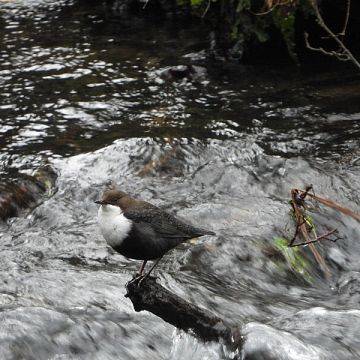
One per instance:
(321,237)
(304,225)
(153,297)
(335,206)
(298,205)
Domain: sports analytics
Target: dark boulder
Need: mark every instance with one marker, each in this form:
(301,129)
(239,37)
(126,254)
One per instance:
(20,192)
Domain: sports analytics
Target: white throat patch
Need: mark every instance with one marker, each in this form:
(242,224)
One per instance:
(114,226)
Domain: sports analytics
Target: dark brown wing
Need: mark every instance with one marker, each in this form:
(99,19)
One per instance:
(163,223)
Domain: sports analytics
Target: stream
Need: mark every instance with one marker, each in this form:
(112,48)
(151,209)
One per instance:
(83,91)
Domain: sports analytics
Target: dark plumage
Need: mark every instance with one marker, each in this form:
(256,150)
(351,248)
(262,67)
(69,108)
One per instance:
(152,231)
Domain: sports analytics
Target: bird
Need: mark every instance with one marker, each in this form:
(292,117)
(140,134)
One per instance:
(140,230)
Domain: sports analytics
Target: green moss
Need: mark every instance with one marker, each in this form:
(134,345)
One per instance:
(294,258)
(310,222)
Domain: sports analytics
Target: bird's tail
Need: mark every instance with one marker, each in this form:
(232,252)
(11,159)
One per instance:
(202,232)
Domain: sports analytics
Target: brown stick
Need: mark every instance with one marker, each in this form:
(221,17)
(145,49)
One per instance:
(296,234)
(153,297)
(335,206)
(299,217)
(321,237)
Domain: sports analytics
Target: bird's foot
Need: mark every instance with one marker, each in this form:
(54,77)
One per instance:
(139,279)
(136,282)
(143,278)
(146,277)
(136,279)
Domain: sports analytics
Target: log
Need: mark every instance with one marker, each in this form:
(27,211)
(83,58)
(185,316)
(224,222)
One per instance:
(153,297)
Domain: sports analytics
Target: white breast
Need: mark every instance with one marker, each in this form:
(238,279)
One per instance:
(114,226)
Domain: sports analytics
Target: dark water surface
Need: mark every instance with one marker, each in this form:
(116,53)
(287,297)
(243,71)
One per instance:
(80,91)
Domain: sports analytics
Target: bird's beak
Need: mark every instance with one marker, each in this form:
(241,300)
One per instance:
(100,202)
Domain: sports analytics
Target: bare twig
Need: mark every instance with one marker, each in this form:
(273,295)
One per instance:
(342,33)
(339,56)
(301,223)
(272,4)
(207,9)
(146,2)
(334,205)
(296,234)
(345,50)
(298,205)
(321,237)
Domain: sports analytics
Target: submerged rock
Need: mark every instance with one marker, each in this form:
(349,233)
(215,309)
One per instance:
(19,191)
(349,287)
(181,73)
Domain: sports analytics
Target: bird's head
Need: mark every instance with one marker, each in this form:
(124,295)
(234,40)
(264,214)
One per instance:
(111,197)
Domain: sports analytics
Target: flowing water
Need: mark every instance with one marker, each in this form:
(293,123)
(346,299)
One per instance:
(82,91)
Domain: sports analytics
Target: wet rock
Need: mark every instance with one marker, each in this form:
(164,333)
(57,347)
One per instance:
(19,191)
(181,73)
(38,333)
(122,8)
(337,331)
(167,162)
(349,287)
(338,257)
(262,342)
(196,56)
(159,9)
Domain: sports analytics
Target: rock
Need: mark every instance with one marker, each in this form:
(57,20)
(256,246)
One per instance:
(331,331)
(338,257)
(349,287)
(19,191)
(182,72)
(262,342)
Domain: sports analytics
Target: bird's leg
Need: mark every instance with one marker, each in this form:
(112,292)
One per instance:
(139,274)
(153,267)
(148,273)
(142,267)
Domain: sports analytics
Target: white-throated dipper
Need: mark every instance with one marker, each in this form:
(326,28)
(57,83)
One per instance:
(139,230)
